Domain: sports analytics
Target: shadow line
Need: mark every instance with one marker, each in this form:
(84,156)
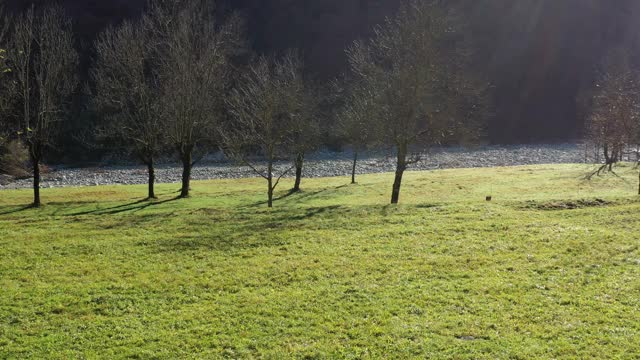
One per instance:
(20,209)
(311,212)
(287,195)
(134,206)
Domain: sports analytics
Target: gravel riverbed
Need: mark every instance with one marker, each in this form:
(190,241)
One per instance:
(319,164)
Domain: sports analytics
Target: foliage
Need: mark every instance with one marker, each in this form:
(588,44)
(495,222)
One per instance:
(331,273)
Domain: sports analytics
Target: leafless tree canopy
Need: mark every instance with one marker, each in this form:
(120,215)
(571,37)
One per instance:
(358,122)
(194,54)
(163,79)
(4,27)
(128,92)
(43,64)
(5,83)
(414,67)
(613,124)
(267,109)
(306,127)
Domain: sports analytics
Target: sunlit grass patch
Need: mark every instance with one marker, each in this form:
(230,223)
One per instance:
(332,272)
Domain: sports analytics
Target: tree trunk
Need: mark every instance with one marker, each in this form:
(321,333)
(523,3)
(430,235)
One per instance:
(608,158)
(152,179)
(638,183)
(401,166)
(299,164)
(605,150)
(270,184)
(353,169)
(36,181)
(187,163)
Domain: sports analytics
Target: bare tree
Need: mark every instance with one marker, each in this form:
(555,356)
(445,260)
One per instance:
(264,107)
(413,65)
(44,61)
(128,92)
(194,51)
(305,112)
(4,26)
(5,83)
(358,123)
(612,125)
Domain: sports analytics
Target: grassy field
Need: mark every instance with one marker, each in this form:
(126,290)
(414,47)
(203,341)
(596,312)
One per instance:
(549,269)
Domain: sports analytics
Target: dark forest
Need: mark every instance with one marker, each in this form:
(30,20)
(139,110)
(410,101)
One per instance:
(538,53)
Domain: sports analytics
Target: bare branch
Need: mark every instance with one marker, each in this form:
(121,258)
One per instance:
(613,124)
(43,64)
(268,112)
(412,78)
(255,169)
(282,175)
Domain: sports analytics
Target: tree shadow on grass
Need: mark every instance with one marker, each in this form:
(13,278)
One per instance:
(601,171)
(130,207)
(129,222)
(314,211)
(299,195)
(427,206)
(266,230)
(240,240)
(17,210)
(393,209)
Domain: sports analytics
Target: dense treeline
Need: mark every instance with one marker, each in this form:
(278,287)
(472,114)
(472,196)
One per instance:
(181,79)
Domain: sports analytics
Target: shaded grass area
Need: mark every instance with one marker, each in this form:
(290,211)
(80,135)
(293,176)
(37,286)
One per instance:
(332,272)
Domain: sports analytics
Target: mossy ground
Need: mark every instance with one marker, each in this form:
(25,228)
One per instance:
(549,269)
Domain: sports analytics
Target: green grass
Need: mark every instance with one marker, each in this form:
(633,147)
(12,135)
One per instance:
(543,271)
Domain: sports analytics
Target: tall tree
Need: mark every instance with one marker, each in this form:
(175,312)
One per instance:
(264,107)
(6,92)
(4,27)
(44,62)
(413,65)
(195,53)
(5,83)
(128,91)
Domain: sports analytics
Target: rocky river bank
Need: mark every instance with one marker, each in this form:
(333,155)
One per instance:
(319,164)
